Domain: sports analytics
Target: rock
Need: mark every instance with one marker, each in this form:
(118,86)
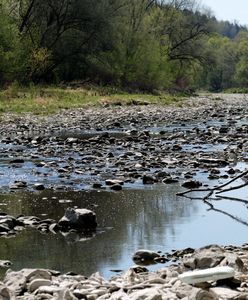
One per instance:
(79,219)
(5,263)
(149,294)
(192,184)
(32,274)
(66,295)
(139,269)
(29,220)
(9,221)
(38,186)
(145,257)
(116,187)
(161,260)
(213,161)
(204,258)
(114,182)
(15,281)
(96,185)
(5,293)
(224,293)
(72,140)
(210,274)
(18,185)
(4,228)
(17,161)
(199,294)
(36,283)
(54,228)
(148,179)
(232,260)
(169,180)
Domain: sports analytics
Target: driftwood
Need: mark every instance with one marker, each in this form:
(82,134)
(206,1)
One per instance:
(215,193)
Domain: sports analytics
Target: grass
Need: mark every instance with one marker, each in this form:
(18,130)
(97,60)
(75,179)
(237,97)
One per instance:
(47,100)
(237,91)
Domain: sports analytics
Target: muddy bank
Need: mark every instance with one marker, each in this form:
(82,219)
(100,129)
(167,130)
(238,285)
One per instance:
(137,282)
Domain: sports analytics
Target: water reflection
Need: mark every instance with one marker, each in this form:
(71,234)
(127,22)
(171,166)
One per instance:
(127,220)
(152,218)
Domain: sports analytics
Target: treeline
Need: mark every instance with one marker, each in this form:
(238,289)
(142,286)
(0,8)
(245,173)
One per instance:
(141,44)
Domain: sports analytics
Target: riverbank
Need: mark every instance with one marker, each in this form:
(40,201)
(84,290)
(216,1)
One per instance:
(137,283)
(45,100)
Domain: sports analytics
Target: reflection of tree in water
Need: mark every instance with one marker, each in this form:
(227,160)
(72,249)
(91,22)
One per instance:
(137,218)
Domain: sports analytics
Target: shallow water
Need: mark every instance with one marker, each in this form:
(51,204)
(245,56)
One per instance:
(138,217)
(151,218)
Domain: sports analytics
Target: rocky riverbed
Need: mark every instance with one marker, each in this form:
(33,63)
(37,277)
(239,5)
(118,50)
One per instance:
(116,148)
(137,283)
(110,148)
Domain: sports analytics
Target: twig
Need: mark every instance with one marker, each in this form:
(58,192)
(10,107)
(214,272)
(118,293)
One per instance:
(231,198)
(225,213)
(233,179)
(233,188)
(216,189)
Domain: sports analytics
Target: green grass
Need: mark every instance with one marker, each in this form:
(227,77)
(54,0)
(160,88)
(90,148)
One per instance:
(47,100)
(236,91)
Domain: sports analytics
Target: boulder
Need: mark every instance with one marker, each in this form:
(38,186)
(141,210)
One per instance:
(36,283)
(207,257)
(151,294)
(192,184)
(145,257)
(5,293)
(79,219)
(15,281)
(226,293)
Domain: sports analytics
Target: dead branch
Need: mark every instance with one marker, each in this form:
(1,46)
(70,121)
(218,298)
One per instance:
(217,189)
(226,213)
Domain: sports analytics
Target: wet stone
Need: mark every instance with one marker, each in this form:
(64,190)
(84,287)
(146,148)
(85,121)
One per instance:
(38,186)
(116,187)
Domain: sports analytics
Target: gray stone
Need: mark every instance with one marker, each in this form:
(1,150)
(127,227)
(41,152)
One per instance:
(79,219)
(5,263)
(5,293)
(224,293)
(15,281)
(207,257)
(145,257)
(148,294)
(114,182)
(36,283)
(39,186)
(32,274)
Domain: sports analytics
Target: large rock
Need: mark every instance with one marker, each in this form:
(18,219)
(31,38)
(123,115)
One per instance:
(15,281)
(225,293)
(80,219)
(145,257)
(151,294)
(5,293)
(203,258)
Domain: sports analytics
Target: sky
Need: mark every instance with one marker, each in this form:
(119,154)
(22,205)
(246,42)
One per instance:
(229,10)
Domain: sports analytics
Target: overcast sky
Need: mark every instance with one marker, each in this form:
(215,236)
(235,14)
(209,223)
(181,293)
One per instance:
(231,10)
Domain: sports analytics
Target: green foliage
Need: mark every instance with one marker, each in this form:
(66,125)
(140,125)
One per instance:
(143,44)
